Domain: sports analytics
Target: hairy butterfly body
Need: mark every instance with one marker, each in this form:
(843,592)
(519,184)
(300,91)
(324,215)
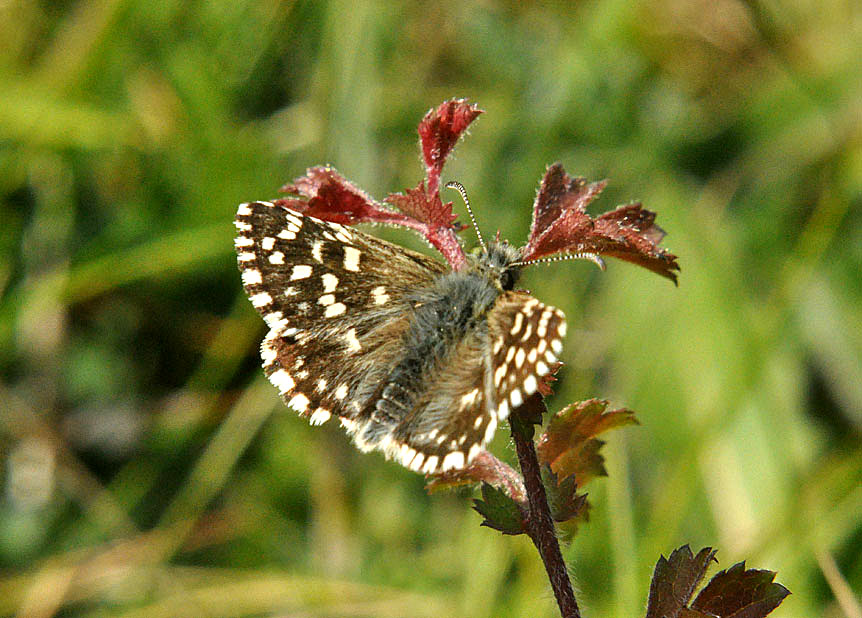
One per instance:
(415,359)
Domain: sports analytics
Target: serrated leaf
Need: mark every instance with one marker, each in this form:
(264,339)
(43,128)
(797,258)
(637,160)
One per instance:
(499,511)
(423,206)
(674,580)
(439,131)
(325,194)
(569,445)
(561,224)
(740,593)
(563,498)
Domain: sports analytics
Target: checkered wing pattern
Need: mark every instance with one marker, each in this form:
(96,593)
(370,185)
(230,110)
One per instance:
(336,302)
(526,338)
(414,360)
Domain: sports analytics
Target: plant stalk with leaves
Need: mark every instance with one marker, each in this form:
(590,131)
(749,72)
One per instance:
(543,500)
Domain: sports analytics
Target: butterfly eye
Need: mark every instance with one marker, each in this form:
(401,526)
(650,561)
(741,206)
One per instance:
(508,278)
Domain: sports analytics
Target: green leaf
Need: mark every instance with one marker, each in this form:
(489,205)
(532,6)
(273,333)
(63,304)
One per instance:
(569,445)
(563,497)
(499,511)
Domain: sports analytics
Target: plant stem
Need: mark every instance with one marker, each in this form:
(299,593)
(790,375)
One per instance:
(541,526)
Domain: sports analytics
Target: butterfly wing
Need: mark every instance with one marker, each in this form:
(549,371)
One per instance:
(335,300)
(526,337)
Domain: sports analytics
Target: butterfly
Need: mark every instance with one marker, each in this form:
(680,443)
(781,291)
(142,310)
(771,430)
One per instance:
(414,359)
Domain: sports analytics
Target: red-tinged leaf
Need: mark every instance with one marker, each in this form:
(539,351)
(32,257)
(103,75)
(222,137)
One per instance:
(499,511)
(562,225)
(439,131)
(674,580)
(485,468)
(737,593)
(569,444)
(325,194)
(423,206)
(559,193)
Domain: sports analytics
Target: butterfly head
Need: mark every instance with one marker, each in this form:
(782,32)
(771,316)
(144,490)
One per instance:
(498,262)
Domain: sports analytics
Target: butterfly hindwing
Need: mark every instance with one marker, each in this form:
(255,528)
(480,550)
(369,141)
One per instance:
(526,337)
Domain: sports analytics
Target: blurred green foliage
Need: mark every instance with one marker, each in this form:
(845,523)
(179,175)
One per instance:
(149,469)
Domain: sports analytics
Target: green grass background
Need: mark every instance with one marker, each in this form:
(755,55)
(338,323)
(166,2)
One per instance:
(148,469)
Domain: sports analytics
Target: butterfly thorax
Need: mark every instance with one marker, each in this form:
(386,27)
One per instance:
(453,309)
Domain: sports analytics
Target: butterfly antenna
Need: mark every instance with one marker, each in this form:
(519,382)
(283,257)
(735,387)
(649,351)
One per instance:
(595,258)
(460,188)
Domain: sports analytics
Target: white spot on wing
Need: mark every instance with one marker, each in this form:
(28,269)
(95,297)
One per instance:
(335,310)
(353,344)
(261,299)
(326,299)
(300,271)
(490,429)
(520,356)
(519,320)
(242,241)
(245,256)
(530,385)
(320,416)
(453,461)
(299,402)
(287,235)
(276,258)
(243,210)
(430,465)
(330,282)
(416,463)
(469,399)
(499,374)
(341,392)
(267,243)
(267,354)
(516,398)
(503,410)
(379,295)
(251,277)
(275,320)
(316,250)
(351,259)
(282,380)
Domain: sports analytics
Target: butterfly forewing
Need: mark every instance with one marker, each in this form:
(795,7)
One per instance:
(334,299)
